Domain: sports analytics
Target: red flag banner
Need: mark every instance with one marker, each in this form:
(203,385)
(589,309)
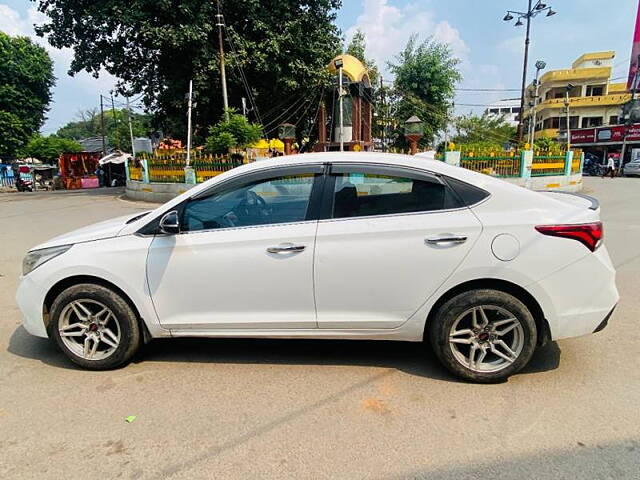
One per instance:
(635,51)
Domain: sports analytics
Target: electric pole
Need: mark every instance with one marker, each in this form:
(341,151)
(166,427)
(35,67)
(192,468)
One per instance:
(382,114)
(341,112)
(189,123)
(104,146)
(244,107)
(133,148)
(115,123)
(223,75)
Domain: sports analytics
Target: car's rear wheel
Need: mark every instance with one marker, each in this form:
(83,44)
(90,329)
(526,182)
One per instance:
(483,335)
(94,326)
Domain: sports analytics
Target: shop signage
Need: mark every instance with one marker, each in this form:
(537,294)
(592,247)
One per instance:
(613,134)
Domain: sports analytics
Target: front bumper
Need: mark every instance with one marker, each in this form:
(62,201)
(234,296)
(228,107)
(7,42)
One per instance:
(30,298)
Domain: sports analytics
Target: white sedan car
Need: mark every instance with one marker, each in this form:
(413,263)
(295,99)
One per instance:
(332,246)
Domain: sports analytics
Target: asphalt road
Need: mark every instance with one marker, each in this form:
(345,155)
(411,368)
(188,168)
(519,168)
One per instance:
(314,409)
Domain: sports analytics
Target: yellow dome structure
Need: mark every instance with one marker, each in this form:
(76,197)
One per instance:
(348,125)
(353,68)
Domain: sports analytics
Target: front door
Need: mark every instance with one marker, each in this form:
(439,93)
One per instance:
(243,259)
(393,237)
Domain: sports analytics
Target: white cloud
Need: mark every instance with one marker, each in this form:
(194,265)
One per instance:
(513,44)
(388,27)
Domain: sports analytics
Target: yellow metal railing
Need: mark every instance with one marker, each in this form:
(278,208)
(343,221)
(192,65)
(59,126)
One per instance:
(135,173)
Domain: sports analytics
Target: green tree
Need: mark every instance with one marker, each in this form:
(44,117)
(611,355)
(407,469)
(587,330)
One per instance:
(425,77)
(156,47)
(484,128)
(87,124)
(26,79)
(237,132)
(357,48)
(48,149)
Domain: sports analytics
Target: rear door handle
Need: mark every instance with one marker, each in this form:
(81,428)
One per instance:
(449,238)
(286,248)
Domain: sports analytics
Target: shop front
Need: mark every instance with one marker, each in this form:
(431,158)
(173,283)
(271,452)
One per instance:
(78,170)
(603,142)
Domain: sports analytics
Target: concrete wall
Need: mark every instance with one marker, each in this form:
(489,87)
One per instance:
(570,183)
(154,192)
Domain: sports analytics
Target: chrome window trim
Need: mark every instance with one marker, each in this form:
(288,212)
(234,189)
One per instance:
(247,227)
(386,215)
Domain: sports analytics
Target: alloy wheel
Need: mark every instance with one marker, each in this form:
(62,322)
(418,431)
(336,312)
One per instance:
(486,338)
(89,329)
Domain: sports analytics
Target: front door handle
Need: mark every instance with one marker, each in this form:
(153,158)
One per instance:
(448,238)
(286,248)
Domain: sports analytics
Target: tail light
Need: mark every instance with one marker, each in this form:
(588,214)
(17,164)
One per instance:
(589,234)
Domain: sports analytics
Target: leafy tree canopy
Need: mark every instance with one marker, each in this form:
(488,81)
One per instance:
(48,149)
(155,48)
(116,127)
(483,128)
(237,132)
(357,47)
(425,77)
(26,79)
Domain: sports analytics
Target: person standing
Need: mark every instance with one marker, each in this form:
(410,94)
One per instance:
(610,168)
(100,175)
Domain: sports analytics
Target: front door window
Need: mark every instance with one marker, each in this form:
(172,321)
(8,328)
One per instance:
(283,199)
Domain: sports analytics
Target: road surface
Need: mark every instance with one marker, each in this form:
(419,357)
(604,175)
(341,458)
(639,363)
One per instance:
(314,409)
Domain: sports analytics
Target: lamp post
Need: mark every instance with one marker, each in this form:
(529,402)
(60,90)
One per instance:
(339,64)
(532,11)
(568,88)
(540,65)
(287,133)
(413,131)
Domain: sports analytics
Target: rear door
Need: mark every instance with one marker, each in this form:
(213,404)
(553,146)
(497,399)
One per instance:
(389,238)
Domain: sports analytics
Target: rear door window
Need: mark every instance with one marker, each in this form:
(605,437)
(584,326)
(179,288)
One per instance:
(367,193)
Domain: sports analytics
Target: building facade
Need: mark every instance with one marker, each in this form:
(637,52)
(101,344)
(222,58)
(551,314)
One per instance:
(595,100)
(508,109)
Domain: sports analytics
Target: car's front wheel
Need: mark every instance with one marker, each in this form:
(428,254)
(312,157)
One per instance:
(94,326)
(483,335)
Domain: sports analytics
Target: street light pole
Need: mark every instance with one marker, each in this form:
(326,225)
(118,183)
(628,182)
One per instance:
(532,120)
(524,70)
(531,12)
(569,87)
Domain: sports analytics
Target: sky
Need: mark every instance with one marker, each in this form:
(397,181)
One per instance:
(490,50)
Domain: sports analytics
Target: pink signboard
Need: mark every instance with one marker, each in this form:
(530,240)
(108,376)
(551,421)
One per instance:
(635,51)
(89,182)
(613,134)
(586,135)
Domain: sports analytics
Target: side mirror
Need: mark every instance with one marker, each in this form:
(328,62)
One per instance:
(169,223)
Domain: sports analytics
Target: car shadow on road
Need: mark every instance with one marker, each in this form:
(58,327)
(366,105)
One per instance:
(413,358)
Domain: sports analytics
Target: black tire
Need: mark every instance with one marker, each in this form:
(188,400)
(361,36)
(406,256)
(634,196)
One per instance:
(442,323)
(130,335)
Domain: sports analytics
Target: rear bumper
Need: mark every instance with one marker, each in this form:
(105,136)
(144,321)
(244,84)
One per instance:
(604,322)
(576,298)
